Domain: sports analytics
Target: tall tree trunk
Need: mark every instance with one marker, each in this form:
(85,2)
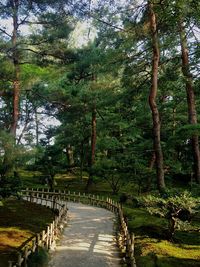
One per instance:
(152,99)
(70,156)
(94,135)
(26,122)
(16,80)
(81,160)
(36,126)
(192,114)
(93,146)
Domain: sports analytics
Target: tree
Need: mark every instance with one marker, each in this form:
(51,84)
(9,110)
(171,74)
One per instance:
(152,98)
(175,208)
(192,114)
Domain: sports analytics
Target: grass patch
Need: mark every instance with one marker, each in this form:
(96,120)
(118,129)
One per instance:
(152,248)
(19,220)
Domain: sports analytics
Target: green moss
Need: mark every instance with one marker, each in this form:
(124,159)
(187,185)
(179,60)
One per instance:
(19,220)
(152,248)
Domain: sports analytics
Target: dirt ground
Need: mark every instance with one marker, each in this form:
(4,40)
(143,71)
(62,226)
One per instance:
(88,239)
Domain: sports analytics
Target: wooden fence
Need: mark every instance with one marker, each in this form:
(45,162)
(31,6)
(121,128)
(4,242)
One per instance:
(45,238)
(124,238)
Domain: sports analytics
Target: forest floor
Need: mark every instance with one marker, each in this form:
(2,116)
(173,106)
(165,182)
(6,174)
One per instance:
(152,247)
(19,220)
(88,240)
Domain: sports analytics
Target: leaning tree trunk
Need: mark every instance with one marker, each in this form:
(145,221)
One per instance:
(16,80)
(192,114)
(152,99)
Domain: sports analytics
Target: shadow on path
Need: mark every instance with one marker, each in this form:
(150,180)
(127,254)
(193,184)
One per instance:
(88,239)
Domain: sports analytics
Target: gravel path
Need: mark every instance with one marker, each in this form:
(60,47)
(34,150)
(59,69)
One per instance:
(88,239)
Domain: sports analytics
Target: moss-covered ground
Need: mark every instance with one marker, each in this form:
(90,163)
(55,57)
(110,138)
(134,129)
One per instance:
(19,220)
(153,248)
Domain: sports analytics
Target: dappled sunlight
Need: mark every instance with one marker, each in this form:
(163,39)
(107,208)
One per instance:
(78,246)
(88,239)
(106,237)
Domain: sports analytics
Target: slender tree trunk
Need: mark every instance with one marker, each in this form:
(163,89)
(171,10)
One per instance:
(16,81)
(93,145)
(174,121)
(94,135)
(70,156)
(36,126)
(152,99)
(81,160)
(27,120)
(192,114)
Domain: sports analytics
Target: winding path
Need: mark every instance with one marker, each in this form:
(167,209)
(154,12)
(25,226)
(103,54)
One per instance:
(88,239)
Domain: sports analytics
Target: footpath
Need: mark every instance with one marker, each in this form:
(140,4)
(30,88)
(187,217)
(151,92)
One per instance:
(88,239)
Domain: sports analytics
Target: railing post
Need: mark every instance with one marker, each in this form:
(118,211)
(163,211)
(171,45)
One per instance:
(25,256)
(37,242)
(47,238)
(43,238)
(19,259)
(64,195)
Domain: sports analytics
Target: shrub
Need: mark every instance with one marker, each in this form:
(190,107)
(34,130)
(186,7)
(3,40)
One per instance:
(176,209)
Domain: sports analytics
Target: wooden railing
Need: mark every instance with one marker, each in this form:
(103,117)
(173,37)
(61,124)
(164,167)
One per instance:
(124,238)
(45,238)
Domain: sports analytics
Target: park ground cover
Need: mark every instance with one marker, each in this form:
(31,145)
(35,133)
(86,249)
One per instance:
(152,247)
(19,221)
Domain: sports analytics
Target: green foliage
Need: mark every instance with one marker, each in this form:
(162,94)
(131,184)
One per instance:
(176,208)
(10,185)
(38,259)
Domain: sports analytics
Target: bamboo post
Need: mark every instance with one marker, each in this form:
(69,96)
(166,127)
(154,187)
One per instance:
(37,242)
(37,193)
(132,244)
(53,203)
(19,260)
(50,234)
(33,245)
(47,238)
(53,227)
(43,238)
(48,192)
(25,256)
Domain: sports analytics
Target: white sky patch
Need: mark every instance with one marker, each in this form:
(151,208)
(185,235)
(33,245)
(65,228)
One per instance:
(7,26)
(45,122)
(83,33)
